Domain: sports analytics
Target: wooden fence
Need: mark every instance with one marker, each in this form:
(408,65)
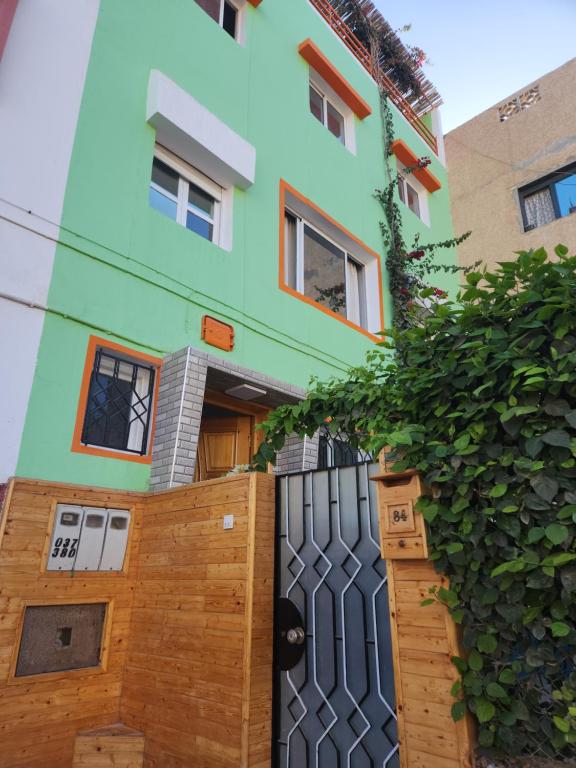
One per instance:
(187,654)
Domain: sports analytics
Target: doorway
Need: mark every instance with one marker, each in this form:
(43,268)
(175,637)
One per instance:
(228,435)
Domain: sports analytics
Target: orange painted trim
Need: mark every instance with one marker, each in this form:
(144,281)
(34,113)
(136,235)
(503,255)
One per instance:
(285,187)
(77,446)
(408,158)
(314,56)
(255,3)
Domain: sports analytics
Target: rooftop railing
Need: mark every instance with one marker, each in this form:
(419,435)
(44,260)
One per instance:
(360,51)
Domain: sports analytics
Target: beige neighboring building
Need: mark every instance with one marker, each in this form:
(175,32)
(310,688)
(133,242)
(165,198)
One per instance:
(512,171)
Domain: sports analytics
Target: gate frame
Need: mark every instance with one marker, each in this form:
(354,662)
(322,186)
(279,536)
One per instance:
(423,638)
(277,546)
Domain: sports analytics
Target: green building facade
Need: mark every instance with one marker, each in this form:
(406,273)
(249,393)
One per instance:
(247,259)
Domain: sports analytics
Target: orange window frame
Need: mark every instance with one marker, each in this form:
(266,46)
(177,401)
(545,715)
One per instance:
(408,158)
(285,187)
(77,446)
(316,59)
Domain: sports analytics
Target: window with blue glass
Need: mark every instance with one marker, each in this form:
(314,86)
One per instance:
(551,197)
(185,195)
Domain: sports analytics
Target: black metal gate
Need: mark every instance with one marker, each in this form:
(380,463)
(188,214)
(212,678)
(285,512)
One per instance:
(334,688)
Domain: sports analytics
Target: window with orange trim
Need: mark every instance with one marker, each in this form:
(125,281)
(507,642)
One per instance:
(413,194)
(327,266)
(115,414)
(319,268)
(329,109)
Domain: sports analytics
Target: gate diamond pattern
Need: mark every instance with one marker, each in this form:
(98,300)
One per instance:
(335,708)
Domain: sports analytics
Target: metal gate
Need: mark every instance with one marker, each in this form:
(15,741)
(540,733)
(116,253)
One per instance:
(334,687)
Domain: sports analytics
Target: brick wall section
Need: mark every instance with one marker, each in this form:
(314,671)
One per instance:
(310,448)
(298,455)
(179,412)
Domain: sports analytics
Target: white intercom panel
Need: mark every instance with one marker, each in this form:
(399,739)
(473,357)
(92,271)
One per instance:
(64,546)
(88,539)
(91,539)
(116,540)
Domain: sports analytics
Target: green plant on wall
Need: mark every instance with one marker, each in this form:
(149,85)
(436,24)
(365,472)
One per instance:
(480,397)
(408,268)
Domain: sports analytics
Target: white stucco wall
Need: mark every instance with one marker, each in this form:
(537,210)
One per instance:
(42,76)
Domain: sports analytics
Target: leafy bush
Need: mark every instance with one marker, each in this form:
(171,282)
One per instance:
(480,397)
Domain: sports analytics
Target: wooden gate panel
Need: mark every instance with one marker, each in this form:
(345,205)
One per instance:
(424,638)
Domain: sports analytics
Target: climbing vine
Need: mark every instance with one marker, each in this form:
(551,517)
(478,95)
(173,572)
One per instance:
(408,268)
(480,397)
(395,65)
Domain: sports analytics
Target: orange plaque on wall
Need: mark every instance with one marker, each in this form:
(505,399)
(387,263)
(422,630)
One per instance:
(217,333)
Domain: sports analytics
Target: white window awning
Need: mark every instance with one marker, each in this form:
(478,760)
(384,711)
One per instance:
(196,135)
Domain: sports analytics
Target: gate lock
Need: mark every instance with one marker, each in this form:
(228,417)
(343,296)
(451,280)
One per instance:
(296,636)
(291,637)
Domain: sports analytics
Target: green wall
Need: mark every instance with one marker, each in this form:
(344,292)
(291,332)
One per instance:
(124,270)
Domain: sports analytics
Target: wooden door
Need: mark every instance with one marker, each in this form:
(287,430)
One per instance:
(223,443)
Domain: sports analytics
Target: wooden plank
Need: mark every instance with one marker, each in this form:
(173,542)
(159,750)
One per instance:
(417,616)
(431,689)
(418,759)
(430,639)
(433,741)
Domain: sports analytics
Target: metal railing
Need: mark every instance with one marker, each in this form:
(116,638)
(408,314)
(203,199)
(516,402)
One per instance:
(335,450)
(360,51)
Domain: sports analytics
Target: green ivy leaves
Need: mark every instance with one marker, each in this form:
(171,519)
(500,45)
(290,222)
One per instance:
(556,533)
(559,629)
(485,710)
(487,643)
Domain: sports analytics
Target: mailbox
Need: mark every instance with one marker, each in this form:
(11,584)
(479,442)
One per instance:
(88,539)
(91,539)
(65,538)
(402,528)
(116,540)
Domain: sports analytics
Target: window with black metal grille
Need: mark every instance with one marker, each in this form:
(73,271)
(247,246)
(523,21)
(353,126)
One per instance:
(119,404)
